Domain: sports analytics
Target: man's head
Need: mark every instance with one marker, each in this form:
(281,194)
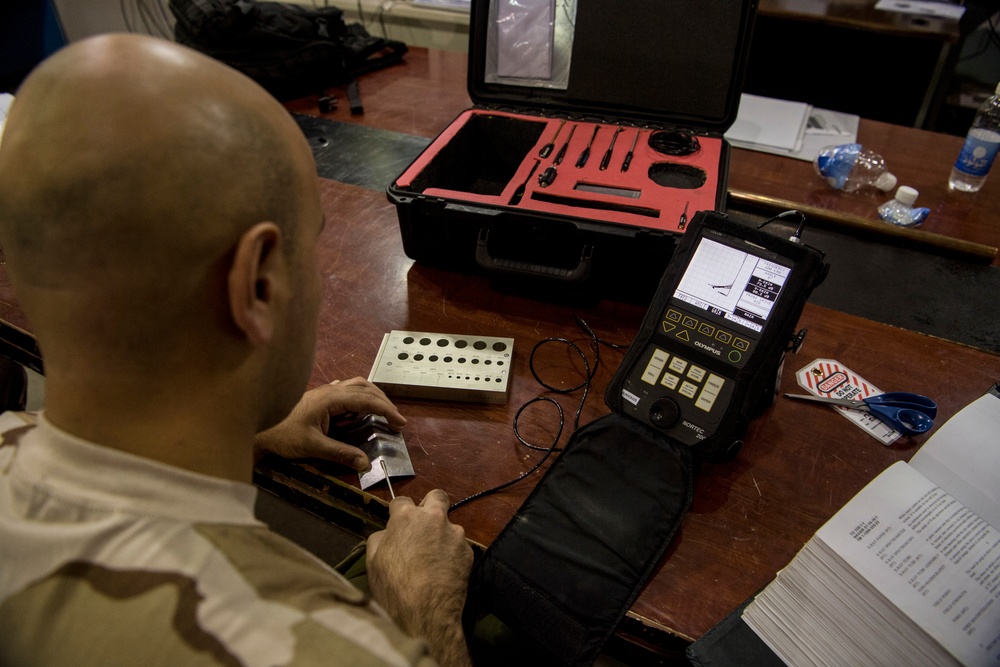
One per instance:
(158,213)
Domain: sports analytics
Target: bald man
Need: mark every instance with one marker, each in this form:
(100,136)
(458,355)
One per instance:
(159,215)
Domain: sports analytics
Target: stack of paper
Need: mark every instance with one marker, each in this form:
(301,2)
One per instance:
(794,129)
(908,572)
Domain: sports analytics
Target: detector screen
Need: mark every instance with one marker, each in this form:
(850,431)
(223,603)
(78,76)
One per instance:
(733,284)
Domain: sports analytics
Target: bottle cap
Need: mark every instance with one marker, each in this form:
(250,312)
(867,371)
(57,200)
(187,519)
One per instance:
(885,182)
(906,195)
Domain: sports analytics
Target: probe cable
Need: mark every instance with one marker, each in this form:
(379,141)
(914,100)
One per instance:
(796,236)
(674,142)
(595,346)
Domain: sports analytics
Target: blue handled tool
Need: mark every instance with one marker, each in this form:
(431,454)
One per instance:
(910,414)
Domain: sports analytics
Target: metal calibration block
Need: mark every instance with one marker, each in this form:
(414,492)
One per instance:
(450,367)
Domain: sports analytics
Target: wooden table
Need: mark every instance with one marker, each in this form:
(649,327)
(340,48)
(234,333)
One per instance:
(918,158)
(801,462)
(834,54)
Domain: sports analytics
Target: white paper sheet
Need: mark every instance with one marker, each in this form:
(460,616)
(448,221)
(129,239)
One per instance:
(763,121)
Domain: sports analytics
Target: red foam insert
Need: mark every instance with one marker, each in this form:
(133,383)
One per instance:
(657,206)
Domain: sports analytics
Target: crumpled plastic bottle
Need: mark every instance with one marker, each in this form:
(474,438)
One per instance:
(900,210)
(849,167)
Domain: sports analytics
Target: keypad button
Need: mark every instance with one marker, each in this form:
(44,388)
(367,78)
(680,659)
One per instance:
(705,401)
(696,373)
(654,366)
(688,389)
(670,381)
(714,383)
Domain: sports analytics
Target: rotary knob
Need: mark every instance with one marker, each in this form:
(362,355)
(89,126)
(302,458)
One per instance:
(664,413)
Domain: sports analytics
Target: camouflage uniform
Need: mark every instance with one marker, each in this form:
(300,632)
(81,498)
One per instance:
(112,559)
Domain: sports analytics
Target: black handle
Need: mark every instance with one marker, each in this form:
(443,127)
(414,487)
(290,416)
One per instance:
(517,268)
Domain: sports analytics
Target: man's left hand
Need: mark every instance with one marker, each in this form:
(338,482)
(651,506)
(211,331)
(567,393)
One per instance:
(302,434)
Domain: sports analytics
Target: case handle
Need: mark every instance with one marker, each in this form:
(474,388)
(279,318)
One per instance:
(516,268)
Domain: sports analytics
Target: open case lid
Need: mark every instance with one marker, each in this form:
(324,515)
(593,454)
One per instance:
(679,62)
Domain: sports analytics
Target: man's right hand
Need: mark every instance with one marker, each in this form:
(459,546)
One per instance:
(418,570)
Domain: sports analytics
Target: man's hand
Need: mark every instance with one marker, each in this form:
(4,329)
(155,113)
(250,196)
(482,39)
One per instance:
(302,433)
(418,570)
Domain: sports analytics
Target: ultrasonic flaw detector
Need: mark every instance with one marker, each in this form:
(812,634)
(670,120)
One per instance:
(711,345)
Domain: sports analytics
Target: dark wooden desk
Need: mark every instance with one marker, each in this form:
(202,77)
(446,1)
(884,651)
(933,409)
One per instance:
(835,54)
(861,15)
(800,464)
(919,158)
(750,515)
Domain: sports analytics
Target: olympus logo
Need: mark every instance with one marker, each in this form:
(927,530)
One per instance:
(711,349)
(697,429)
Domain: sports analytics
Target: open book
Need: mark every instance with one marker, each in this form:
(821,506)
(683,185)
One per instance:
(908,572)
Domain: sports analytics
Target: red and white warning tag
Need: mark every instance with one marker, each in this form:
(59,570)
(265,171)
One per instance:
(830,379)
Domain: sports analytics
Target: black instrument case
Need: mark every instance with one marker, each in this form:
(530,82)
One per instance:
(596,133)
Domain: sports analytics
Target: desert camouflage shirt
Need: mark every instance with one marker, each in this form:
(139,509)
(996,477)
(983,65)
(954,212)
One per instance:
(112,559)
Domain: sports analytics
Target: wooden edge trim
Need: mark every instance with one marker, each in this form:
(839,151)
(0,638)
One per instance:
(916,238)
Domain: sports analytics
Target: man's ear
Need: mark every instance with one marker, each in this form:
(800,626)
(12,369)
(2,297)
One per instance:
(256,277)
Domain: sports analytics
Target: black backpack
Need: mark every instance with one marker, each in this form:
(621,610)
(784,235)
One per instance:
(290,50)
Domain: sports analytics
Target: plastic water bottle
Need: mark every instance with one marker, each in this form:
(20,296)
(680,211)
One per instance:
(900,210)
(981,144)
(849,167)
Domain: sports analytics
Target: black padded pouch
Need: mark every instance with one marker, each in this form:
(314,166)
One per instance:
(575,556)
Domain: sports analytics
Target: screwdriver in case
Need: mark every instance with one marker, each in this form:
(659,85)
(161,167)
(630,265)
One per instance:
(562,151)
(628,156)
(585,155)
(547,148)
(607,155)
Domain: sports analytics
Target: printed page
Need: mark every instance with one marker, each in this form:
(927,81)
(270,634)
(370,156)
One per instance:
(767,122)
(930,555)
(963,457)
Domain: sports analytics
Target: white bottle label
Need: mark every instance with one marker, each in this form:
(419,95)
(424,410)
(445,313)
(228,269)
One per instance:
(978,152)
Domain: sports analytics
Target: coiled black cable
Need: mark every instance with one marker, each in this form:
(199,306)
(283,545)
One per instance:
(674,142)
(595,346)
